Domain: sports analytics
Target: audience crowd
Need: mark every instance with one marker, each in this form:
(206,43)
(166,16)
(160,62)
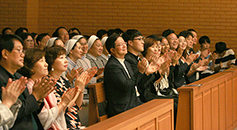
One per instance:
(44,79)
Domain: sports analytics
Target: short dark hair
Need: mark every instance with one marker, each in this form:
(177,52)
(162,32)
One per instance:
(20,30)
(33,34)
(40,37)
(220,47)
(192,30)
(110,42)
(72,35)
(204,39)
(110,32)
(100,33)
(72,29)
(24,35)
(55,34)
(167,32)
(5,29)
(52,53)
(153,36)
(118,31)
(185,34)
(32,55)
(7,42)
(130,34)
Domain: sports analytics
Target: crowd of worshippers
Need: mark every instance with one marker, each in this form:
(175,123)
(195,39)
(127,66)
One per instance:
(44,79)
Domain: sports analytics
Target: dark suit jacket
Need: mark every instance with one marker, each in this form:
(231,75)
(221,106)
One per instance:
(119,88)
(29,106)
(180,72)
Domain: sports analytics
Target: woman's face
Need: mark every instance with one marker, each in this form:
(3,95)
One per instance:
(40,68)
(96,49)
(189,41)
(28,43)
(153,50)
(182,43)
(84,45)
(59,43)
(77,51)
(164,45)
(60,63)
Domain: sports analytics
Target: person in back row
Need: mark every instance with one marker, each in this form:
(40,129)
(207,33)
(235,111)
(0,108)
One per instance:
(224,57)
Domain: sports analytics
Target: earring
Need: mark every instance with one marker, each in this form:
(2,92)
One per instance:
(52,69)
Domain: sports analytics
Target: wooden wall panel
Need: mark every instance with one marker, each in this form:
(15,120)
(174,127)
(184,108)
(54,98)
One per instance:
(229,103)
(207,110)
(215,108)
(164,121)
(222,106)
(197,112)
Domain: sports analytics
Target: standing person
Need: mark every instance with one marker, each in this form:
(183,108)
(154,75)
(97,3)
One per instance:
(56,59)
(120,80)
(11,59)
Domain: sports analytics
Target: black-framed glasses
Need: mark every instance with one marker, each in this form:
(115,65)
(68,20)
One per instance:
(140,38)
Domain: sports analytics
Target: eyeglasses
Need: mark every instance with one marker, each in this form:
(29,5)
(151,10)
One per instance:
(140,39)
(20,51)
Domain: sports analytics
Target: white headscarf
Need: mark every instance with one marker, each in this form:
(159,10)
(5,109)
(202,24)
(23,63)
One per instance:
(51,41)
(103,40)
(91,41)
(69,44)
(77,37)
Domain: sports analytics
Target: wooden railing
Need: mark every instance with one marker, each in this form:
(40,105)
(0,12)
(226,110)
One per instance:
(211,106)
(154,115)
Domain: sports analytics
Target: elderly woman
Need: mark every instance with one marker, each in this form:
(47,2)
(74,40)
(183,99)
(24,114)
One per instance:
(95,49)
(56,59)
(84,62)
(35,67)
(73,52)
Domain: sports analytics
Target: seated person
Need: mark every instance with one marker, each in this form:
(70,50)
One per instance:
(119,78)
(204,53)
(10,104)
(223,57)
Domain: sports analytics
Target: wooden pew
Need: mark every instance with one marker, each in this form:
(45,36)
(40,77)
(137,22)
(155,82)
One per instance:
(154,115)
(211,106)
(97,103)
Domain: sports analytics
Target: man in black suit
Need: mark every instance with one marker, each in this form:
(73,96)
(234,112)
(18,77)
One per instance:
(119,78)
(12,59)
